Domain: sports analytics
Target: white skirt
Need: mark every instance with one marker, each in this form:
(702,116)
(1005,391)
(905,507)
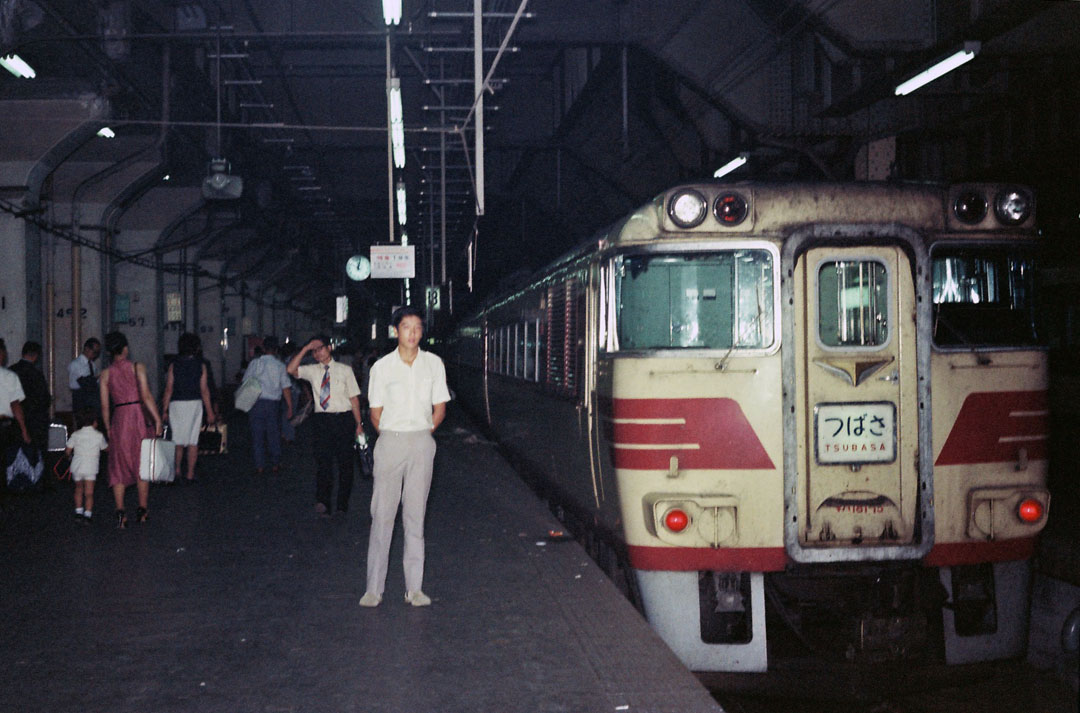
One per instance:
(185,421)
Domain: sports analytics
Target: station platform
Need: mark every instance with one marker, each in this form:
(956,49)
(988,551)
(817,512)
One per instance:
(237,597)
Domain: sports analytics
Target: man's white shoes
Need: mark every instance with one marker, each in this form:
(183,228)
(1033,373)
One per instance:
(417,599)
(370,600)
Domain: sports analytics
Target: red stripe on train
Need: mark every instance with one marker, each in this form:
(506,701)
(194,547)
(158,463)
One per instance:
(692,559)
(703,433)
(992,426)
(957,553)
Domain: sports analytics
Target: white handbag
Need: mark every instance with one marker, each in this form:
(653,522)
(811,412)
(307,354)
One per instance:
(157,459)
(247,394)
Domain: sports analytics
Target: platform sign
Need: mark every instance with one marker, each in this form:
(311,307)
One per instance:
(121,308)
(434,298)
(393,261)
(174,307)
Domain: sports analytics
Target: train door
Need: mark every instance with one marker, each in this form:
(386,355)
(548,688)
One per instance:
(857,406)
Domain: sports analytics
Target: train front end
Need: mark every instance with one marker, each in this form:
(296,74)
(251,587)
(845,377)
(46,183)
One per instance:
(767,382)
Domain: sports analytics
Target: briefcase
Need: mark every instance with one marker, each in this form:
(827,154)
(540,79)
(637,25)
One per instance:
(157,459)
(214,439)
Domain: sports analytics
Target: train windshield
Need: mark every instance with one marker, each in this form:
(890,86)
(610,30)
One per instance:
(984,296)
(715,300)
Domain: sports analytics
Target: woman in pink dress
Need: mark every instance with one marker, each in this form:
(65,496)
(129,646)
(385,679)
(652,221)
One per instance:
(124,394)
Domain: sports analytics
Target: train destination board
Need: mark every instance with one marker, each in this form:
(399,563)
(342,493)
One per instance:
(855,432)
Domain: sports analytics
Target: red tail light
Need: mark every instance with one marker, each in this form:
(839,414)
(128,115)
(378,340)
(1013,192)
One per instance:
(1030,510)
(676,520)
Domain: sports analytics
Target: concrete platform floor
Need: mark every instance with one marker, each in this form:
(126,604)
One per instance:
(237,597)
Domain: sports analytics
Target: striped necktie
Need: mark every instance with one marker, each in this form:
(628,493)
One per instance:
(324,391)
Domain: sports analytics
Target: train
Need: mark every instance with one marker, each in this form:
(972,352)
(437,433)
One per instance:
(812,415)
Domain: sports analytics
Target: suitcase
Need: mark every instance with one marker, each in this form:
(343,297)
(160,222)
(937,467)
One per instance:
(214,439)
(58,436)
(157,459)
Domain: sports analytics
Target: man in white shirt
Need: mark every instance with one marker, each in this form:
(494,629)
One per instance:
(408,395)
(84,394)
(12,422)
(265,416)
(335,421)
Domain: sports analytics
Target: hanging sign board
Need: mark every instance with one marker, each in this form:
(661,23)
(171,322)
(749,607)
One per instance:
(174,307)
(393,261)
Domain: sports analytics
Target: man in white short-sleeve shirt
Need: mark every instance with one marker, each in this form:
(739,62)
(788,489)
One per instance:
(12,421)
(408,395)
(335,422)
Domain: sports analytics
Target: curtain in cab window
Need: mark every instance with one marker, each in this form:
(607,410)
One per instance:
(716,300)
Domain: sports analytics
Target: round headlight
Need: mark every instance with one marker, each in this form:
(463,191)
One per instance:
(970,207)
(687,208)
(1012,206)
(730,208)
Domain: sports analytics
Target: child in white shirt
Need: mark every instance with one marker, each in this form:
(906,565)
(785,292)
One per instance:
(84,447)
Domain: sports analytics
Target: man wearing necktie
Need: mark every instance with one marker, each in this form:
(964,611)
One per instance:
(336,421)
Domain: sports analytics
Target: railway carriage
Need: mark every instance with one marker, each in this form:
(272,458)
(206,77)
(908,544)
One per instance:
(814,415)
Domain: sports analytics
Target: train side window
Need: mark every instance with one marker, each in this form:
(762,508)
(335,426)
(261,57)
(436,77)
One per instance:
(853,303)
(716,300)
(984,295)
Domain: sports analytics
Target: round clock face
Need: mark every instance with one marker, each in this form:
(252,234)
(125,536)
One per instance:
(358,268)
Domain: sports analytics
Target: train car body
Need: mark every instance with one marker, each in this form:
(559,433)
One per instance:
(815,414)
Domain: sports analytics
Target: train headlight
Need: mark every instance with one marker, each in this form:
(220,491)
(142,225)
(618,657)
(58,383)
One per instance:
(730,208)
(970,207)
(1012,206)
(1030,510)
(687,208)
(676,520)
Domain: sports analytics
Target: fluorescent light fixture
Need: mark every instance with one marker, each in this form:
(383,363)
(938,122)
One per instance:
(17,66)
(941,68)
(731,165)
(341,309)
(404,238)
(397,122)
(106,133)
(391,11)
(401,203)
(166,177)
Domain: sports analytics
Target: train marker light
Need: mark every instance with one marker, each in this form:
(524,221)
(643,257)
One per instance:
(676,520)
(730,208)
(1030,510)
(687,208)
(969,207)
(1012,206)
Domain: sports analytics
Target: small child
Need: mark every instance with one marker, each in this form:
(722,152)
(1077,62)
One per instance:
(86,443)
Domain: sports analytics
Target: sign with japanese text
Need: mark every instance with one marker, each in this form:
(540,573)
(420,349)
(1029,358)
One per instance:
(393,261)
(855,432)
(174,307)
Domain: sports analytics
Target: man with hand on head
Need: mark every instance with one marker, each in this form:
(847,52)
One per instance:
(408,395)
(336,420)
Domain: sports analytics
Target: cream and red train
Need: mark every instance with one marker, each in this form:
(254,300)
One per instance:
(815,413)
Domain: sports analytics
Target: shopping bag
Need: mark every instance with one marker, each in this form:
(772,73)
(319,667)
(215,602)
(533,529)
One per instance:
(58,436)
(23,466)
(212,439)
(157,459)
(247,394)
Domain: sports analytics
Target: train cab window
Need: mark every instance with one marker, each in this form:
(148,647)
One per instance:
(984,296)
(715,300)
(853,304)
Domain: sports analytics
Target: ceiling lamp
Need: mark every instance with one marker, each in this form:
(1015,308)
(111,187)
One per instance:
(106,133)
(731,165)
(17,66)
(397,122)
(938,69)
(401,204)
(391,11)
